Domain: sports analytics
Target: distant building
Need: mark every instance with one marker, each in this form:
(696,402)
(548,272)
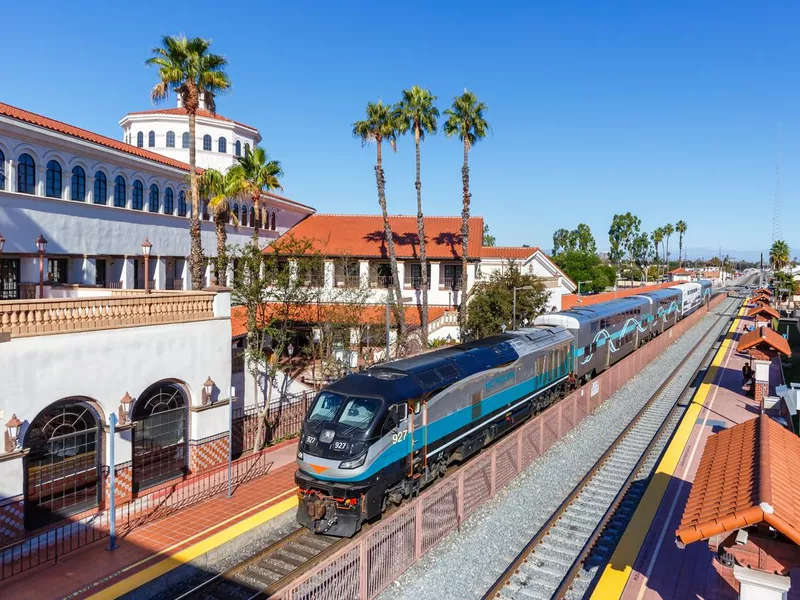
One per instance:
(680,274)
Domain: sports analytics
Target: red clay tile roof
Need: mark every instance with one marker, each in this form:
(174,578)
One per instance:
(748,474)
(765,337)
(571,300)
(57,126)
(202,112)
(362,236)
(765,309)
(763,291)
(333,313)
(520,252)
(761,298)
(680,271)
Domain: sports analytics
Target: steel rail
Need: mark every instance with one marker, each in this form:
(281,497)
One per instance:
(544,530)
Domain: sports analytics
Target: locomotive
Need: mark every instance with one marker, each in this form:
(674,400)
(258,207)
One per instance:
(376,437)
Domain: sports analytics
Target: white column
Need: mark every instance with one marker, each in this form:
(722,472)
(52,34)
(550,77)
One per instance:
(758,585)
(160,275)
(328,274)
(41,173)
(207,275)
(471,268)
(401,272)
(83,270)
(229,274)
(89,188)
(127,273)
(186,274)
(363,272)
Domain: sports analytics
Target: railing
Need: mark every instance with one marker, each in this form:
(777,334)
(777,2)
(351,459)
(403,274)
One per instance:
(368,564)
(69,315)
(284,420)
(451,283)
(174,284)
(382,281)
(151,284)
(27,291)
(314,281)
(347,281)
(415,282)
(114,285)
(449,318)
(48,546)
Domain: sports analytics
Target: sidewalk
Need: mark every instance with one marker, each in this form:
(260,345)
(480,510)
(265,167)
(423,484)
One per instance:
(153,549)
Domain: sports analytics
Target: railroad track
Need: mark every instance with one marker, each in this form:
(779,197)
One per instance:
(582,533)
(267,571)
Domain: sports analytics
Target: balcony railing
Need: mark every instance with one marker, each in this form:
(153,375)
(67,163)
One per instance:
(22,318)
(415,282)
(151,284)
(382,281)
(347,281)
(450,283)
(114,285)
(174,284)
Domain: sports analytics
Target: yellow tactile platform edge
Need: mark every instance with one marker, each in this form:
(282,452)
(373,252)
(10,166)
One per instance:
(188,554)
(612,581)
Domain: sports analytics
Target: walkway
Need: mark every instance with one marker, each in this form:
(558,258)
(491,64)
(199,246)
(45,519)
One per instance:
(154,549)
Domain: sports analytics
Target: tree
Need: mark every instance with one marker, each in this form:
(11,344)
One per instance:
(561,241)
(253,174)
(488,239)
(621,235)
(585,267)
(640,250)
(668,231)
(273,288)
(680,227)
(186,67)
(779,254)
(657,237)
(417,112)
(491,304)
(381,126)
(217,187)
(465,119)
(786,286)
(585,239)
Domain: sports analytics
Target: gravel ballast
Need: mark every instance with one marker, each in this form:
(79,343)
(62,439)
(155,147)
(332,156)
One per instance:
(466,563)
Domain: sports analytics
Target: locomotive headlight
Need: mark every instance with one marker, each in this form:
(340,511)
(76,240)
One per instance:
(327,435)
(300,454)
(353,463)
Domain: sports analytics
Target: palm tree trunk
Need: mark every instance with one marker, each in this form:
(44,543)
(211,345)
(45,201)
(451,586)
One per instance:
(680,250)
(422,257)
(222,256)
(257,209)
(196,251)
(387,230)
(462,312)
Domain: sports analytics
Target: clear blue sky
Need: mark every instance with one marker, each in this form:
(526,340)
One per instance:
(669,111)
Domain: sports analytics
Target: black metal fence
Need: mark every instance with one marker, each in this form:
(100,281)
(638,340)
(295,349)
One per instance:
(283,420)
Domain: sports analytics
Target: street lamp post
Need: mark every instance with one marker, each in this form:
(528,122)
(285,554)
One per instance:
(579,288)
(41,246)
(514,309)
(146,248)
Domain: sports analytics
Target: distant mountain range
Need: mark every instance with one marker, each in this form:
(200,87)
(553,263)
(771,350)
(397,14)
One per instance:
(707,253)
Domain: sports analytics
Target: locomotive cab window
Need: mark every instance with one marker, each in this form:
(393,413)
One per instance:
(326,407)
(394,416)
(359,412)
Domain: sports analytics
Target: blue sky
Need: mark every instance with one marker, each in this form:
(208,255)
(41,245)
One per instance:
(669,111)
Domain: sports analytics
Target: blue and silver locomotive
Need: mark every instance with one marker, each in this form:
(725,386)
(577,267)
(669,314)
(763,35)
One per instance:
(378,436)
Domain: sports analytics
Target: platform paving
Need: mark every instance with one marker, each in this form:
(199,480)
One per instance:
(91,570)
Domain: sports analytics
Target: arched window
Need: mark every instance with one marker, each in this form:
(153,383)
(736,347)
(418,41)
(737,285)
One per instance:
(137,202)
(234,211)
(159,437)
(168,201)
(26,174)
(119,191)
(252,216)
(100,188)
(78,187)
(185,139)
(206,142)
(204,205)
(2,170)
(222,145)
(237,148)
(243,218)
(140,139)
(170,139)
(273,223)
(62,464)
(151,139)
(153,198)
(53,185)
(181,203)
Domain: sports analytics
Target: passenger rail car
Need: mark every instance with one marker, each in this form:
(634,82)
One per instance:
(378,436)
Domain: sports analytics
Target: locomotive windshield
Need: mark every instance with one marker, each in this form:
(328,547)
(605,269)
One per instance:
(350,411)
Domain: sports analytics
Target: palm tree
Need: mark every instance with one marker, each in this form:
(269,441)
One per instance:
(779,254)
(680,227)
(186,67)
(253,174)
(217,187)
(416,112)
(465,119)
(668,231)
(381,126)
(657,237)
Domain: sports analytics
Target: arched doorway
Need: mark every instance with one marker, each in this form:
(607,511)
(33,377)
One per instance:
(62,466)
(159,435)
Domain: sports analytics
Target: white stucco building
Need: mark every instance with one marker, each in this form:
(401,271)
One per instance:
(95,199)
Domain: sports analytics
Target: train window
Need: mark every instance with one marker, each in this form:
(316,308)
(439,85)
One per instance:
(326,407)
(359,412)
(476,405)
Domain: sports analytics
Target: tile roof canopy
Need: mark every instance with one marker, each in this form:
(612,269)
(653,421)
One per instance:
(372,314)
(362,236)
(516,252)
(680,271)
(765,309)
(748,474)
(766,338)
(202,112)
(763,291)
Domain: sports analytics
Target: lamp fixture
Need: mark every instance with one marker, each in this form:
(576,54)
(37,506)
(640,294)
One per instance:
(125,408)
(12,433)
(208,390)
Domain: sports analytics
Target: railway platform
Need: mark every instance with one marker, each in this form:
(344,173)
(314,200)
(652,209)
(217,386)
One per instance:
(647,564)
(153,550)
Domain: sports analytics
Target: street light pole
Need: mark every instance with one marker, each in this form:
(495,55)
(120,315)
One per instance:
(146,247)
(514,309)
(41,246)
(579,288)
